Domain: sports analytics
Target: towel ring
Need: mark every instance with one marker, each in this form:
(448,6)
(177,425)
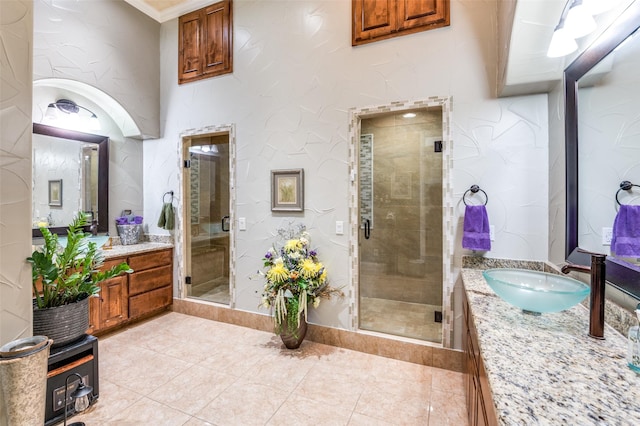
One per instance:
(164,197)
(625,185)
(474,189)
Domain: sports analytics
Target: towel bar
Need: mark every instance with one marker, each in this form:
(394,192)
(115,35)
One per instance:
(164,197)
(474,189)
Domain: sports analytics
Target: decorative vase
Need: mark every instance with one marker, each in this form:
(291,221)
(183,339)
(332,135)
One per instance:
(292,339)
(63,324)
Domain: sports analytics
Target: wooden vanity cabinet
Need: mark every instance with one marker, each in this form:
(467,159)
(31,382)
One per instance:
(126,297)
(480,407)
(375,20)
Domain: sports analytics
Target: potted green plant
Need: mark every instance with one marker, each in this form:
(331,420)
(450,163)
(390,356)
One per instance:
(295,279)
(64,279)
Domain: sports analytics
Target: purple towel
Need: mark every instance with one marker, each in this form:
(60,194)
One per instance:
(475,233)
(625,241)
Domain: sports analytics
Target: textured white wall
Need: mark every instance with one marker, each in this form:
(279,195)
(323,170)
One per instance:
(295,77)
(107,44)
(16,34)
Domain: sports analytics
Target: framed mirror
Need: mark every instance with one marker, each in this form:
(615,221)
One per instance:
(602,129)
(70,174)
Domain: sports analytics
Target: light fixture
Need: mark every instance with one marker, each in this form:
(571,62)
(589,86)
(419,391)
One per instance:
(68,114)
(561,44)
(204,149)
(80,396)
(575,22)
(579,21)
(409,115)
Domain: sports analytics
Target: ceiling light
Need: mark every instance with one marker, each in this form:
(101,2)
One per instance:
(67,114)
(204,149)
(409,115)
(579,21)
(561,44)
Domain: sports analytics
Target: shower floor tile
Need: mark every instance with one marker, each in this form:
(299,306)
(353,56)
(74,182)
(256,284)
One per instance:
(216,290)
(170,370)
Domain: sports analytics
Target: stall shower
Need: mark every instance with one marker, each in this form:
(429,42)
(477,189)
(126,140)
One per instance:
(207,217)
(400,238)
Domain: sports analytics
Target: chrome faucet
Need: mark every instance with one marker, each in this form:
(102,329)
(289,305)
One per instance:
(597,270)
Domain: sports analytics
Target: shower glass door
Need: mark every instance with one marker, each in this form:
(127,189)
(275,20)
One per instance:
(400,237)
(207,217)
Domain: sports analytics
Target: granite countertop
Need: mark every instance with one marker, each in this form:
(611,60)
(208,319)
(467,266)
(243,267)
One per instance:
(120,250)
(545,369)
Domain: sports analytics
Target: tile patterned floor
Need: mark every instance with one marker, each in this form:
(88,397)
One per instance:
(181,370)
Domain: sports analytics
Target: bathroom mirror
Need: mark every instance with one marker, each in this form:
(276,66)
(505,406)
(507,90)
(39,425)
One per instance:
(70,174)
(602,110)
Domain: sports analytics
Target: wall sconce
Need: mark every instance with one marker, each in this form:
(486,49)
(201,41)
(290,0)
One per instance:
(81,397)
(74,114)
(576,21)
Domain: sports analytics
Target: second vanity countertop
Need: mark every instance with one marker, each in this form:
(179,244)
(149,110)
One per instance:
(120,250)
(545,369)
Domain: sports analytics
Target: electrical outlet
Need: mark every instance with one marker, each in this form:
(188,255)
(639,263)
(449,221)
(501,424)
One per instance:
(492,233)
(376,253)
(607,235)
(242,224)
(339,227)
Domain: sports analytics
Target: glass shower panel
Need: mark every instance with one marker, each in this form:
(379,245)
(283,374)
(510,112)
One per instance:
(400,238)
(208,218)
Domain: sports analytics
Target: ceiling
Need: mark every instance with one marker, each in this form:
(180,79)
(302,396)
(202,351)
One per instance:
(527,68)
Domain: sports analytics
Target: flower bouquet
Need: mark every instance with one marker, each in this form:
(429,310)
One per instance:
(295,279)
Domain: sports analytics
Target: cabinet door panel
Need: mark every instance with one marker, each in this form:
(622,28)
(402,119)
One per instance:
(114,302)
(422,13)
(372,19)
(215,49)
(189,46)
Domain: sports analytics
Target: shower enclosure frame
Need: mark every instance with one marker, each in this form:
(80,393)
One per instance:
(180,242)
(356,115)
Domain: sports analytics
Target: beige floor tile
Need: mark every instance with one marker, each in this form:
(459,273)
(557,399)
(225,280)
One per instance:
(149,412)
(447,409)
(194,421)
(403,403)
(193,389)
(358,419)
(301,411)
(282,372)
(331,388)
(448,381)
(244,403)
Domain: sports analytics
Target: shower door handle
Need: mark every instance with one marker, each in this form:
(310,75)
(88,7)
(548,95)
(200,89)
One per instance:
(224,220)
(367,229)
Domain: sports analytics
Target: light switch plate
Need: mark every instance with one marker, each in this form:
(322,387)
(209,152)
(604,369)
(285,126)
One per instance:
(492,232)
(607,235)
(242,223)
(339,227)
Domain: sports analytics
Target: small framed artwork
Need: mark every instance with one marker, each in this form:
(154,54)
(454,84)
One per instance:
(287,190)
(55,193)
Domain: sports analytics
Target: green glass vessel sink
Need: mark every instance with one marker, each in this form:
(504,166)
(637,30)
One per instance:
(534,291)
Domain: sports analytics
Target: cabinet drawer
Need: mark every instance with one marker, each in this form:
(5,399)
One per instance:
(141,262)
(150,301)
(110,263)
(139,282)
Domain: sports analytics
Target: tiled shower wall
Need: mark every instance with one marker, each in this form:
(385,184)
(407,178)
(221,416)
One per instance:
(16,35)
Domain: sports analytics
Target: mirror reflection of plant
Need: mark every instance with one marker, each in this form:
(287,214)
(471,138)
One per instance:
(295,278)
(70,274)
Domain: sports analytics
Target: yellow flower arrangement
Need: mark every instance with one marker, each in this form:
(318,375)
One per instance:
(295,278)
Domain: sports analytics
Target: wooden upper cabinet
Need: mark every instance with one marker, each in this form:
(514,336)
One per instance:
(205,42)
(375,20)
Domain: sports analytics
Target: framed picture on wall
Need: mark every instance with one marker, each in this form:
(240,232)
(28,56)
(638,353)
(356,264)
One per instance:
(55,193)
(287,190)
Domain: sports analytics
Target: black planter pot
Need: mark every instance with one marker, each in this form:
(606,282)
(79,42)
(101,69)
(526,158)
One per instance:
(63,324)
